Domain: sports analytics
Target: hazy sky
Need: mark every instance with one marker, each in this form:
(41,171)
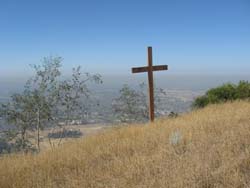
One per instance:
(111,36)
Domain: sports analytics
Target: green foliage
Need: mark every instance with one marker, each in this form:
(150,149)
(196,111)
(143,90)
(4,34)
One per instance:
(224,93)
(74,95)
(132,105)
(5,146)
(200,102)
(243,90)
(13,141)
(19,112)
(42,89)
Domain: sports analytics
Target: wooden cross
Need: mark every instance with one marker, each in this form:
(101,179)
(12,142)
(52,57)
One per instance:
(150,68)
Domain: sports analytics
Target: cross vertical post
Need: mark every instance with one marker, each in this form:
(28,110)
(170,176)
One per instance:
(150,68)
(150,84)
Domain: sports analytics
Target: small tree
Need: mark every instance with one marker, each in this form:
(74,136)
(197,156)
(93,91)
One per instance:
(74,96)
(43,89)
(19,113)
(75,93)
(9,143)
(132,106)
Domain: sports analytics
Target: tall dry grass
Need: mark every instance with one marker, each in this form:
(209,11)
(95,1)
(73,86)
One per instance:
(205,148)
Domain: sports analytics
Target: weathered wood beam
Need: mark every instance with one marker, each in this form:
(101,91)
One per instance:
(145,69)
(151,85)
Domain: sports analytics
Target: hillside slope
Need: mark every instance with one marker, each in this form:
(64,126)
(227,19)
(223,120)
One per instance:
(205,148)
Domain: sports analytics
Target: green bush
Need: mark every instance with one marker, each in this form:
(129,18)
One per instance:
(243,90)
(224,93)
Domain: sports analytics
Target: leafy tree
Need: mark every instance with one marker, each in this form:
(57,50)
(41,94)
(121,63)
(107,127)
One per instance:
(132,106)
(5,145)
(19,113)
(74,96)
(43,90)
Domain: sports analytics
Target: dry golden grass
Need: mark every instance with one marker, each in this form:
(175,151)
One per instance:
(205,148)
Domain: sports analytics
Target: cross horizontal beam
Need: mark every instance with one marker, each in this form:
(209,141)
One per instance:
(146,69)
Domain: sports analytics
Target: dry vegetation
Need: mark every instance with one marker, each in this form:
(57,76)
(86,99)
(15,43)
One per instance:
(205,148)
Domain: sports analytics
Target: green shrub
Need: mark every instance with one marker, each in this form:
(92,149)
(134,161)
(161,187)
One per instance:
(243,90)
(200,102)
(224,93)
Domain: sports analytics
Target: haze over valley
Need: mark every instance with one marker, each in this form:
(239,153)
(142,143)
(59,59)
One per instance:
(181,90)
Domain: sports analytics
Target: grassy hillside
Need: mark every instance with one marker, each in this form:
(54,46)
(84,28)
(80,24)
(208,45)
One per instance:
(205,148)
